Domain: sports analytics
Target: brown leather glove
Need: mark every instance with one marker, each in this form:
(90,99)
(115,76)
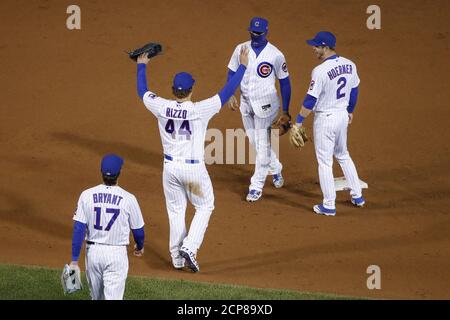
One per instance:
(283,124)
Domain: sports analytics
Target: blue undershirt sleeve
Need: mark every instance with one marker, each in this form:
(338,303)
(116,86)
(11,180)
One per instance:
(139,236)
(285,88)
(230,74)
(79,230)
(353,99)
(141,80)
(232,84)
(309,102)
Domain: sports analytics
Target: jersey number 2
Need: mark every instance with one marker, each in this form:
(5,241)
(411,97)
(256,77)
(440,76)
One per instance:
(98,214)
(185,129)
(342,81)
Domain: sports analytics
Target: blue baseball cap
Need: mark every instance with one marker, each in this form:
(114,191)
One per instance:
(259,24)
(183,81)
(111,165)
(323,38)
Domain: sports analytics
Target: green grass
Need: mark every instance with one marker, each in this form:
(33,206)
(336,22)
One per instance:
(36,283)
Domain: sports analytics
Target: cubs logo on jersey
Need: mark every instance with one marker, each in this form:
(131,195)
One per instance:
(264,69)
(311,86)
(284,67)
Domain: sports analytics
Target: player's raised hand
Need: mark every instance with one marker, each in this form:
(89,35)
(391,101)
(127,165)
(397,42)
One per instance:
(233,104)
(243,55)
(143,58)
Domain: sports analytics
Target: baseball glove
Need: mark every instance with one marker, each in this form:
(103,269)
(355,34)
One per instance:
(152,49)
(71,279)
(283,124)
(298,136)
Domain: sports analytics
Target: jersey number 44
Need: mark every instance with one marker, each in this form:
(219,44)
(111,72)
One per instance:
(183,130)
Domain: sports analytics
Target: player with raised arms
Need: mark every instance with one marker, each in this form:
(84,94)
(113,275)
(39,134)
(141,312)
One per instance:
(182,126)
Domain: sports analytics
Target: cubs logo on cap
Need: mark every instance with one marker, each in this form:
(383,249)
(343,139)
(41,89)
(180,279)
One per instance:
(258,24)
(264,69)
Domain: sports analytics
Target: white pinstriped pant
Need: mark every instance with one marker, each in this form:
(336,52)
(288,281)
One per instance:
(257,130)
(183,182)
(330,138)
(106,271)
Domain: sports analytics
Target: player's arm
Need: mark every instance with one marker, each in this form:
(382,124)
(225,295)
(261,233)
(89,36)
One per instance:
(232,84)
(141,74)
(352,103)
(151,101)
(230,74)
(233,65)
(285,88)
(308,104)
(310,100)
(139,237)
(285,82)
(136,222)
(79,231)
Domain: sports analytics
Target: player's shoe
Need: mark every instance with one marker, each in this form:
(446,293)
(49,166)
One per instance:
(190,259)
(277,180)
(178,262)
(254,195)
(358,202)
(320,209)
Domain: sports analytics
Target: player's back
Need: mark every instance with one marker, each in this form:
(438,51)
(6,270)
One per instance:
(183,125)
(109,212)
(335,78)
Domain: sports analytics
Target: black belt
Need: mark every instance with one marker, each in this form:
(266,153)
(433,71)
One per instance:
(90,242)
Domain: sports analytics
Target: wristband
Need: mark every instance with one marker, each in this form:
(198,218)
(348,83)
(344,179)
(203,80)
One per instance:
(300,118)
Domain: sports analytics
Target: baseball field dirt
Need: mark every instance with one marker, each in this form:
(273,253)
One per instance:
(69,97)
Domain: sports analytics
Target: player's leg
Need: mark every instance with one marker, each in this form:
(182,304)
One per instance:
(200,193)
(176,203)
(94,272)
(248,119)
(263,153)
(324,138)
(115,274)
(275,165)
(345,161)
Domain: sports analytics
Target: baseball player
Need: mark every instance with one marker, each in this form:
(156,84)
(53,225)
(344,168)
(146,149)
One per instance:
(182,126)
(259,103)
(332,96)
(105,214)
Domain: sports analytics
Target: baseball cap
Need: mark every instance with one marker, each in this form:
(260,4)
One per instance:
(183,81)
(258,24)
(323,38)
(111,165)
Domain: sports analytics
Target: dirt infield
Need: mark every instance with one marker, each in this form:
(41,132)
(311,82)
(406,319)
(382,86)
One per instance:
(68,97)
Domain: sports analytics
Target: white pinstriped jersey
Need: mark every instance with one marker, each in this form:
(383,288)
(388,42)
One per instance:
(331,84)
(258,84)
(109,212)
(182,126)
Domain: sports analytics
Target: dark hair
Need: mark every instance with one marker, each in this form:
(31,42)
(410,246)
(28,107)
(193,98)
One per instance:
(331,48)
(110,180)
(181,94)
